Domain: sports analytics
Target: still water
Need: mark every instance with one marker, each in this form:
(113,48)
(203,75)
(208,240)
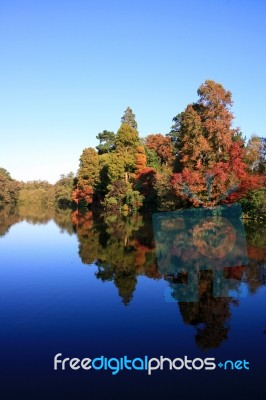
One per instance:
(87,286)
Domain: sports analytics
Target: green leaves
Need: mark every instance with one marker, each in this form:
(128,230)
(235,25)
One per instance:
(129,118)
(254,204)
(126,137)
(107,142)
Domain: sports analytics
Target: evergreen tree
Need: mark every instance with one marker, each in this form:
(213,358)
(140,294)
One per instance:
(127,137)
(107,142)
(129,118)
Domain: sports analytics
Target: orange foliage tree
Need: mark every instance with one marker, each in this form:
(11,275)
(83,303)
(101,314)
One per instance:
(163,147)
(140,159)
(211,153)
(83,195)
(145,183)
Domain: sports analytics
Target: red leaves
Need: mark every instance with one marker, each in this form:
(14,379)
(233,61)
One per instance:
(83,193)
(162,146)
(226,181)
(145,180)
(140,158)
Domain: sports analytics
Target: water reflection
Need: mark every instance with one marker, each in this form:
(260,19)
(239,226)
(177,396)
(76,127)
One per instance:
(123,248)
(36,215)
(8,217)
(209,315)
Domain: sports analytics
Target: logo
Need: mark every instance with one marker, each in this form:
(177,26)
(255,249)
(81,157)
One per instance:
(116,365)
(200,239)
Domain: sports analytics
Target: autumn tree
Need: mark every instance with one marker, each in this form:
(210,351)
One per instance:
(126,138)
(116,195)
(5,173)
(63,189)
(117,170)
(114,166)
(204,130)
(210,151)
(37,193)
(140,159)
(163,147)
(119,191)
(9,188)
(166,198)
(126,142)
(87,177)
(129,118)
(145,183)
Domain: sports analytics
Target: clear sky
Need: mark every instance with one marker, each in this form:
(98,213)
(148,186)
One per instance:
(69,69)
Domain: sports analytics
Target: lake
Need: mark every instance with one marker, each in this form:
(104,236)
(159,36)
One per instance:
(87,286)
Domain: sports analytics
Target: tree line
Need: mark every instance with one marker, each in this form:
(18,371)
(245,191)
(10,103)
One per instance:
(37,192)
(203,161)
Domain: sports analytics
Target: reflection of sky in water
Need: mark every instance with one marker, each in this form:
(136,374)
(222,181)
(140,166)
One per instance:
(241,291)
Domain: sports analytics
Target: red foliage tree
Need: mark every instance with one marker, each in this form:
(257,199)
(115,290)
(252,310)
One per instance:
(83,194)
(211,152)
(140,159)
(225,182)
(145,181)
(163,147)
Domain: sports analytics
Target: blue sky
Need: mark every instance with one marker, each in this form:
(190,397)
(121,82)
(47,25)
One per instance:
(69,69)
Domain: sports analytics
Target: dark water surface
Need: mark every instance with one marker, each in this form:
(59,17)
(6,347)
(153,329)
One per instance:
(86,286)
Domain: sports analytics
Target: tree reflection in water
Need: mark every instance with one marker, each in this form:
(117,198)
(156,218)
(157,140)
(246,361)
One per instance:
(119,247)
(123,248)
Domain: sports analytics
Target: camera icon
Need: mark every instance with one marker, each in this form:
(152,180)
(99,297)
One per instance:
(192,240)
